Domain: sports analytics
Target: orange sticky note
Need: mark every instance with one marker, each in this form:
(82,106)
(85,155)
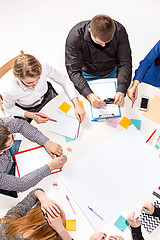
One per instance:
(65,107)
(125,122)
(71,225)
(82,105)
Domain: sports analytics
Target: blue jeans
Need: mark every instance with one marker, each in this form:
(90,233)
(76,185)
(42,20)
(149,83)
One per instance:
(90,77)
(13,149)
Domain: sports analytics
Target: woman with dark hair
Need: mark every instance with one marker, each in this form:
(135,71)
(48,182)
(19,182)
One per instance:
(147,72)
(35,217)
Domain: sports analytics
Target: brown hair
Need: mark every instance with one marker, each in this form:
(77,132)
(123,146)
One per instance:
(34,219)
(4,136)
(157,61)
(103,27)
(26,66)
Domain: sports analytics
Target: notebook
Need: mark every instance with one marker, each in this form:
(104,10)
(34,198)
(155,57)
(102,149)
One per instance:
(67,123)
(29,160)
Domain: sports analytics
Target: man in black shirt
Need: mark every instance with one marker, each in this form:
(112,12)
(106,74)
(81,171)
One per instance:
(99,49)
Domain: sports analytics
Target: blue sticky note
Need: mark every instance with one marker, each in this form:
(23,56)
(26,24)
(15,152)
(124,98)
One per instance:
(70,139)
(156,146)
(121,223)
(136,123)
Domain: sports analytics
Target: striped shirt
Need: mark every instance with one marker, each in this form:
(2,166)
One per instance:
(13,183)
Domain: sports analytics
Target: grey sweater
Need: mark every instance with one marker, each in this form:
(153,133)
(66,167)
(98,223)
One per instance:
(13,183)
(24,206)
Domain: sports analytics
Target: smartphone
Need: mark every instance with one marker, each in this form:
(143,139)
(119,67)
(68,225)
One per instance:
(144,103)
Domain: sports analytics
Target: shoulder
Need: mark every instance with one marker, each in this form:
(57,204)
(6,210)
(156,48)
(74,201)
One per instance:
(78,31)
(12,87)
(120,31)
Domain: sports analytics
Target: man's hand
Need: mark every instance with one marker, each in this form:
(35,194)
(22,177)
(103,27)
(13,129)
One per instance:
(96,101)
(119,99)
(57,163)
(53,148)
(134,223)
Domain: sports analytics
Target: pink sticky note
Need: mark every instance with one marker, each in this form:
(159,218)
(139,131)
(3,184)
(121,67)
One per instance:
(69,149)
(113,122)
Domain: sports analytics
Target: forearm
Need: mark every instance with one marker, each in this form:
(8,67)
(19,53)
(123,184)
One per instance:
(156,212)
(13,183)
(26,204)
(64,234)
(76,102)
(40,195)
(136,233)
(31,132)
(80,83)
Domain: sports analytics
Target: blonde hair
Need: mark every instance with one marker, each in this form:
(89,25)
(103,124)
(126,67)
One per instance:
(26,66)
(34,219)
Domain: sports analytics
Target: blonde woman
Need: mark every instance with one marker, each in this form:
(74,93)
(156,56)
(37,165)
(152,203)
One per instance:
(29,91)
(35,217)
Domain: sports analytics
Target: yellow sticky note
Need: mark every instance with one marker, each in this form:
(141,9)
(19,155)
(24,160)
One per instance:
(125,122)
(65,107)
(82,105)
(71,225)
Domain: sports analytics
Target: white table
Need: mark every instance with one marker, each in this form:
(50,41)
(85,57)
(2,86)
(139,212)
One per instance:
(92,134)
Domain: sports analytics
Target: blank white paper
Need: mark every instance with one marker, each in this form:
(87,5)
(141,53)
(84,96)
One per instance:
(65,125)
(31,160)
(113,177)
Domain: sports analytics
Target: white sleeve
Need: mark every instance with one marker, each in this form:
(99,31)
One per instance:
(10,107)
(61,79)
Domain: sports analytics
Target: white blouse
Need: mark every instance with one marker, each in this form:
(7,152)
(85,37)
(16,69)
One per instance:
(17,92)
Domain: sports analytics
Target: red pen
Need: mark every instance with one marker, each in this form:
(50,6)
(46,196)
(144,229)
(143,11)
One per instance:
(151,135)
(134,95)
(44,117)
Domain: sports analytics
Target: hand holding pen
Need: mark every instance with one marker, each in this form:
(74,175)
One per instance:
(41,118)
(148,208)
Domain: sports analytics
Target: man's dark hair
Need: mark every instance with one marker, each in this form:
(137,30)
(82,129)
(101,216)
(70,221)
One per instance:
(103,27)
(4,136)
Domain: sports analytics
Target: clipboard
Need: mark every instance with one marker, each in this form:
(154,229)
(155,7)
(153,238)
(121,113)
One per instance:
(104,90)
(29,160)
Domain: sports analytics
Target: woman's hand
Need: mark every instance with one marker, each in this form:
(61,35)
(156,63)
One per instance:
(47,205)
(133,222)
(150,208)
(56,223)
(98,236)
(132,92)
(79,111)
(37,116)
